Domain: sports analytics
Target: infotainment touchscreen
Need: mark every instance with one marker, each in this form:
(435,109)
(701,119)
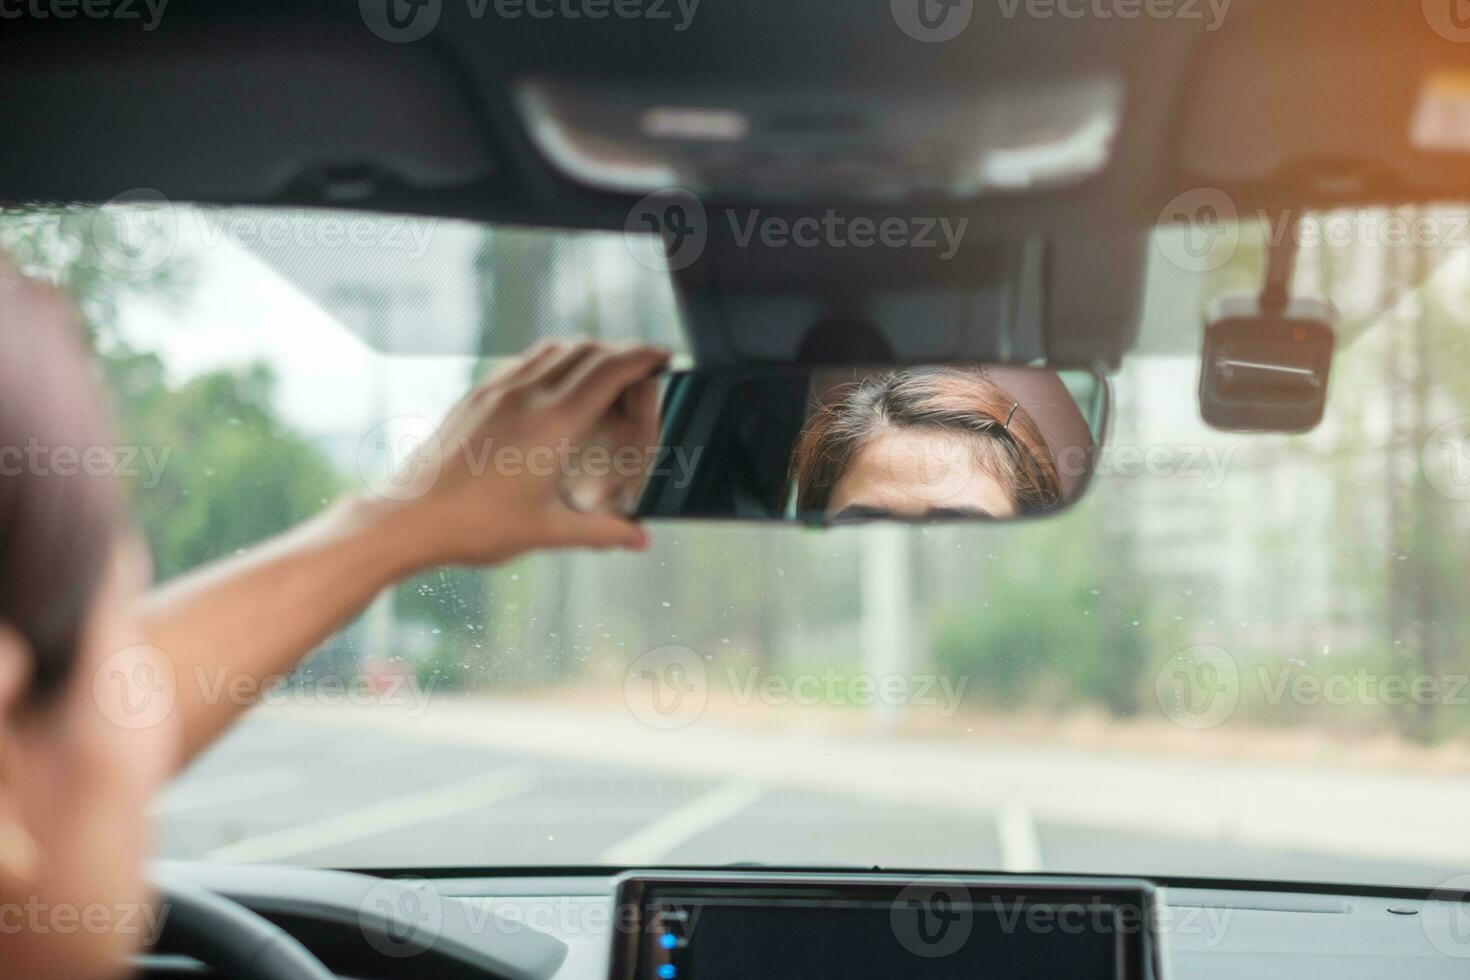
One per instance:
(721,928)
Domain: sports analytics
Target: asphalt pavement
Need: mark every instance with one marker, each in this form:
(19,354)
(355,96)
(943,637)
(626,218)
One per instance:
(286,787)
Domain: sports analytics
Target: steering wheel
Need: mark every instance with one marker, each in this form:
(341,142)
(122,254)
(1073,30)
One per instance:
(226,935)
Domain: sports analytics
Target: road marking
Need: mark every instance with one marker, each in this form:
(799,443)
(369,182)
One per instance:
(194,794)
(656,840)
(379,818)
(1020,848)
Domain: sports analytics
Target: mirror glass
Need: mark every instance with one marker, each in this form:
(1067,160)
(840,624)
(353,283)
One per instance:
(832,445)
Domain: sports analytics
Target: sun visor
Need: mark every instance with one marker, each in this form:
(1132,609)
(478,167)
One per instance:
(247,113)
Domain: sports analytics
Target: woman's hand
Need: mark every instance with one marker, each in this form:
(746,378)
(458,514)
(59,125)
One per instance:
(488,487)
(495,479)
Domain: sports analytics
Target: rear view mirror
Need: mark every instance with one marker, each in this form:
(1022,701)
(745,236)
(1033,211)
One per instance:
(831,445)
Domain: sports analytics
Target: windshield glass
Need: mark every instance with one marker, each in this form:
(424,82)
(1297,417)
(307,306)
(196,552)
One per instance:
(1238,656)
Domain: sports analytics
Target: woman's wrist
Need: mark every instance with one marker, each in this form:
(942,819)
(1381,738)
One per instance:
(389,536)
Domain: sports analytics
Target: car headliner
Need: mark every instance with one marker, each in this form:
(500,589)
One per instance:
(257,100)
(1277,105)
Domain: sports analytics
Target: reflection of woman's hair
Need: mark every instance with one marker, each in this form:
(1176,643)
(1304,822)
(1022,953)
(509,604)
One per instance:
(1008,445)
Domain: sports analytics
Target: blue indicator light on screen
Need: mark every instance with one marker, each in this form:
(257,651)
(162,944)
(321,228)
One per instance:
(668,940)
(667,971)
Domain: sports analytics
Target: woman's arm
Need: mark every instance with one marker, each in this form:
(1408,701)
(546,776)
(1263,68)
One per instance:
(484,491)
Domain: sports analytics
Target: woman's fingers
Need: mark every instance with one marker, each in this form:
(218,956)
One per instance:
(554,370)
(594,386)
(530,363)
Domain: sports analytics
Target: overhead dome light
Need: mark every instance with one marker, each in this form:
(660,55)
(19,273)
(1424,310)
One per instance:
(780,146)
(716,125)
(1083,150)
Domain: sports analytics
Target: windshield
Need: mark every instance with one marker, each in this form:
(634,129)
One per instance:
(1238,656)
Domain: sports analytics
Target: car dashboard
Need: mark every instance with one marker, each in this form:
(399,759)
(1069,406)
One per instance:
(712,924)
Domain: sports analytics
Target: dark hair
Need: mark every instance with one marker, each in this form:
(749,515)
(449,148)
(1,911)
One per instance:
(58,522)
(1011,446)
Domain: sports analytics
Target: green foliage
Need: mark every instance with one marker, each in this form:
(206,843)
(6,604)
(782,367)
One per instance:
(1049,622)
(234,474)
(448,612)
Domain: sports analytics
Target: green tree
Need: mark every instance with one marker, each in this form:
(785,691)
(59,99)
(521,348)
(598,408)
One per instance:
(234,472)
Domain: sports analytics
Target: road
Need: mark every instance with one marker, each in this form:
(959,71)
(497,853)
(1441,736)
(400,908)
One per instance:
(343,789)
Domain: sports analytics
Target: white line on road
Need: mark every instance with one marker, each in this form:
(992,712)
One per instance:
(654,842)
(1346,809)
(194,794)
(1020,848)
(379,818)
